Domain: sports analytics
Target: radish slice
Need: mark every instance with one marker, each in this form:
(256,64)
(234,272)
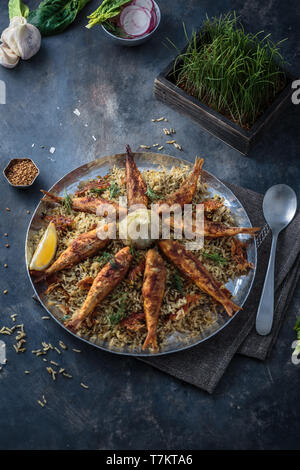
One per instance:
(153,21)
(135,20)
(148,4)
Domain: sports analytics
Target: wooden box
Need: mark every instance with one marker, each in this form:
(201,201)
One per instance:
(215,123)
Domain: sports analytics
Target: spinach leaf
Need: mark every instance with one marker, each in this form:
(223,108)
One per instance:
(17,8)
(108,9)
(54,16)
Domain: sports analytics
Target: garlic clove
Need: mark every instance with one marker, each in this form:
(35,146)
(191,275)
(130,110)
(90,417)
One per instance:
(8,58)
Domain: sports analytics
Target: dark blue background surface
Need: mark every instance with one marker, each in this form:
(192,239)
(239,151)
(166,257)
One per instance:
(128,404)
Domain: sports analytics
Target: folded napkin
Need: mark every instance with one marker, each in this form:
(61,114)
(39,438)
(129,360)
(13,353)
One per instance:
(204,365)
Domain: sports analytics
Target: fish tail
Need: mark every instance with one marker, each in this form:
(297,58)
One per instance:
(151,339)
(52,196)
(74,323)
(231,307)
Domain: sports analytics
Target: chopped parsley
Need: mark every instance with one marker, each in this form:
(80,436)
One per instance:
(113,190)
(132,251)
(116,317)
(176,280)
(152,194)
(215,257)
(97,191)
(108,257)
(67,202)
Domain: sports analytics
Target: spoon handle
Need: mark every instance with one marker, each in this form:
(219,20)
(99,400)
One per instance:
(265,312)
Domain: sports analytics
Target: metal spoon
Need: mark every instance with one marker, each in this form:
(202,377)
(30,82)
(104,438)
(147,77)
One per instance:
(279,207)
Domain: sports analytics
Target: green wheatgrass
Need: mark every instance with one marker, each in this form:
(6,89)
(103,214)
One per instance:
(236,73)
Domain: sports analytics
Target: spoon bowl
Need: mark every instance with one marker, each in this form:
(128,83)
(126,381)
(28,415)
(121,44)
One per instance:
(279,206)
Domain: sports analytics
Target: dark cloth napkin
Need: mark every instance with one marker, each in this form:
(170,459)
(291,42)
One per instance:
(205,364)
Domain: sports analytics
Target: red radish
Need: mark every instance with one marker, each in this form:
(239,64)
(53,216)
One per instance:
(135,20)
(153,21)
(148,4)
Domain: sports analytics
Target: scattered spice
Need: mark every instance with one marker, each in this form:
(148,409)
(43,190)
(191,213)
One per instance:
(7,245)
(5,265)
(177,146)
(171,142)
(83,385)
(7,209)
(62,345)
(6,234)
(76,350)
(158,119)
(21,172)
(5,291)
(26,372)
(27,212)
(40,403)
(161,147)
(145,146)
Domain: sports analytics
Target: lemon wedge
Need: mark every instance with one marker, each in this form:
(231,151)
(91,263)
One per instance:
(46,249)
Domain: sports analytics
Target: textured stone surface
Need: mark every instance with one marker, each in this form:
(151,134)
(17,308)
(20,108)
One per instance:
(129,405)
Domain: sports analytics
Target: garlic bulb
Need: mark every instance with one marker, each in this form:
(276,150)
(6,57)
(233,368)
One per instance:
(7,57)
(22,38)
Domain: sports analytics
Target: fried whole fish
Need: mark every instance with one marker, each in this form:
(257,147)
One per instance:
(105,281)
(136,186)
(87,204)
(212,229)
(87,244)
(185,193)
(153,292)
(192,268)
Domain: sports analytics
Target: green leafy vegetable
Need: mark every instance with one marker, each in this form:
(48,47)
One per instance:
(215,257)
(115,29)
(152,194)
(108,257)
(54,16)
(67,202)
(17,8)
(108,9)
(176,281)
(297,329)
(113,190)
(235,73)
(97,191)
(116,317)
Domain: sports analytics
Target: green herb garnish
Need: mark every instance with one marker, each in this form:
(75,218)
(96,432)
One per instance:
(116,317)
(215,257)
(176,280)
(152,194)
(108,9)
(67,202)
(113,190)
(108,257)
(297,329)
(132,251)
(234,73)
(97,191)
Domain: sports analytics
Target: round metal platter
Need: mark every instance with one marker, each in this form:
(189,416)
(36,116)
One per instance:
(239,288)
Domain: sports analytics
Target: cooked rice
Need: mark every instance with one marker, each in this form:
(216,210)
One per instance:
(99,328)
